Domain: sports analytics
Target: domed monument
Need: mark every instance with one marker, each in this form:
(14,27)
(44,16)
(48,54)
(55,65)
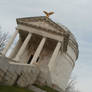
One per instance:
(45,54)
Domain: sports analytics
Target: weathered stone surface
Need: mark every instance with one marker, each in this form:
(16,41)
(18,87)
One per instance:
(4,63)
(9,78)
(44,76)
(1,74)
(28,77)
(20,74)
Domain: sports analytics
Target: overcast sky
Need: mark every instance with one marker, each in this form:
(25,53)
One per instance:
(75,14)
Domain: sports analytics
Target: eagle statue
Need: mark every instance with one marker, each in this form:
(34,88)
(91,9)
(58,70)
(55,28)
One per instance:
(48,13)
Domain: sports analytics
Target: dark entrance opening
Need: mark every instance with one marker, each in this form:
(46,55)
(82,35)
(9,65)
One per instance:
(30,59)
(37,60)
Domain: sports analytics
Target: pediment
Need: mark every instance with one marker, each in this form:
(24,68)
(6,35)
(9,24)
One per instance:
(41,22)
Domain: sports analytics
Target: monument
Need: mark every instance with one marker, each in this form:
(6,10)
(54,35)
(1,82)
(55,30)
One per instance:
(44,54)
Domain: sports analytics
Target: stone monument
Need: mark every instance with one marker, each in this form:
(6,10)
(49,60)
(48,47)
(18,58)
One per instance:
(44,54)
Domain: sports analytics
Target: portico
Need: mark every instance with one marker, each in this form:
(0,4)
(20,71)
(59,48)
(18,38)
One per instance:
(24,47)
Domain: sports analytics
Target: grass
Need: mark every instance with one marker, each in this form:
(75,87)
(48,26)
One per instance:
(13,89)
(17,89)
(48,89)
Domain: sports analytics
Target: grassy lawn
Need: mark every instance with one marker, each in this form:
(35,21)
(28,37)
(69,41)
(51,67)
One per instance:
(17,89)
(12,89)
(46,88)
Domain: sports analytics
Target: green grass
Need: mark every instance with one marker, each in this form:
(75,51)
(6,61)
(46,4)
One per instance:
(48,89)
(17,89)
(13,89)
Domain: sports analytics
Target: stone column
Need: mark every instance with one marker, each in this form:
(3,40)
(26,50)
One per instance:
(23,47)
(38,51)
(54,55)
(9,43)
(16,48)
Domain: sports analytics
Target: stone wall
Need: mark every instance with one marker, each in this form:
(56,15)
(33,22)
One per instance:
(62,68)
(22,75)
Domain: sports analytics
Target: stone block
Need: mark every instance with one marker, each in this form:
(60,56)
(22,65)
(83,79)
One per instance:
(2,73)
(10,78)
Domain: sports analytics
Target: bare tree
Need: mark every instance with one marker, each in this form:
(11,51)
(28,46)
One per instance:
(71,86)
(3,39)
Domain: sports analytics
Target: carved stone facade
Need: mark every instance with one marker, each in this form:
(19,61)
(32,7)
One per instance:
(45,53)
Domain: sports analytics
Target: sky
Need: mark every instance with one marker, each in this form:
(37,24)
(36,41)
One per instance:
(74,14)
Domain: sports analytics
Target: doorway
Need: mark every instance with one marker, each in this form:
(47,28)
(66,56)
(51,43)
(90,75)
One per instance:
(30,59)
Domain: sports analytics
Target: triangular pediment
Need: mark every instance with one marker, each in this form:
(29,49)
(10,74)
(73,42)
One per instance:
(41,22)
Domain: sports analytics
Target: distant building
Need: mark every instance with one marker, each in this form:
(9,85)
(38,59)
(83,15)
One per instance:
(45,53)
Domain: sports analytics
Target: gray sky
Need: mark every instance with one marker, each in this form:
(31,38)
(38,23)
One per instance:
(76,15)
